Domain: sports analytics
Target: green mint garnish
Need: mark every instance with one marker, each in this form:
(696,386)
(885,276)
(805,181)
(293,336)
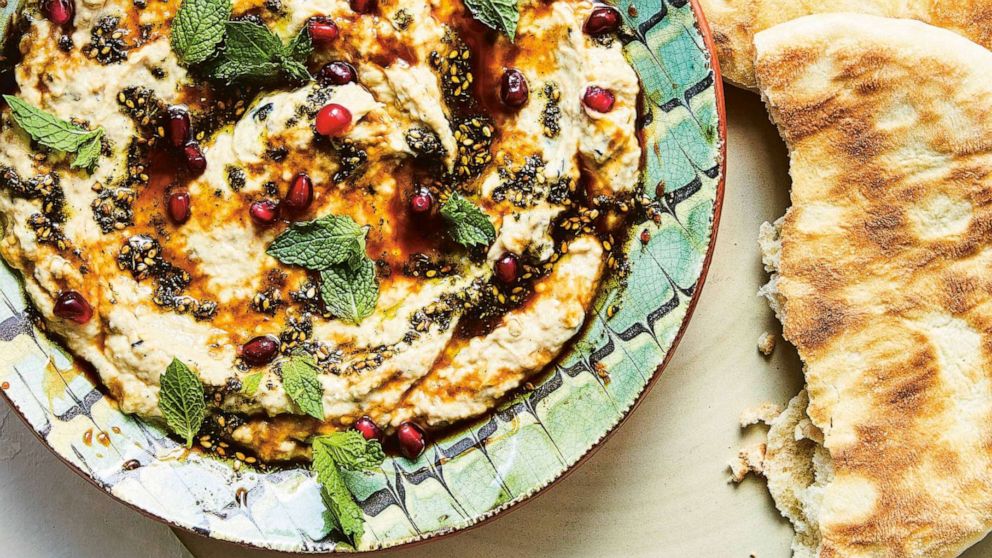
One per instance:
(467,224)
(350,293)
(299,378)
(181,401)
(254,53)
(501,15)
(55,133)
(355,453)
(320,244)
(251,383)
(198,29)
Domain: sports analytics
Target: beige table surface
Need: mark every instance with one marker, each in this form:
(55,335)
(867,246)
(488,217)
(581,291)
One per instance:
(676,445)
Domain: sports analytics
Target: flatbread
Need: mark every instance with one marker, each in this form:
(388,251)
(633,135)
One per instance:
(882,280)
(735,22)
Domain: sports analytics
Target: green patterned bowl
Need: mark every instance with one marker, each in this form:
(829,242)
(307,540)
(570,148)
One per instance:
(485,467)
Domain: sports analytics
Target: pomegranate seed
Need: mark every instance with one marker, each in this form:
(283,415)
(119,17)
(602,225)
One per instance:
(421,202)
(369,429)
(323,30)
(260,350)
(645,236)
(178,206)
(513,90)
(333,120)
(337,73)
(180,129)
(264,212)
(602,20)
(363,6)
(195,161)
(70,305)
(59,12)
(598,99)
(507,268)
(411,439)
(300,193)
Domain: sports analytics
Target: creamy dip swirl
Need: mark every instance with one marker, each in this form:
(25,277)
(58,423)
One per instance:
(447,340)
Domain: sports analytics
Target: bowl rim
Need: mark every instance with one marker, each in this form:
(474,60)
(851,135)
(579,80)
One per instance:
(702,26)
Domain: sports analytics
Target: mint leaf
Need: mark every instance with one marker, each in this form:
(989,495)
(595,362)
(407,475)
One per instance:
(252,52)
(320,244)
(299,377)
(55,133)
(350,450)
(350,293)
(89,153)
(468,225)
(501,15)
(337,497)
(181,400)
(251,383)
(198,29)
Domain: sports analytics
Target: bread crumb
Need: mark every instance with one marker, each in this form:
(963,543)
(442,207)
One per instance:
(749,460)
(766,343)
(764,413)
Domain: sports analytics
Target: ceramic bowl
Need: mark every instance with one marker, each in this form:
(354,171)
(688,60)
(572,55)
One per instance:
(484,467)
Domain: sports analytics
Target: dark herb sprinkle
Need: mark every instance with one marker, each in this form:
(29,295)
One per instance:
(216,434)
(146,110)
(523,187)
(425,143)
(112,209)
(107,43)
(277,154)
(65,43)
(262,112)
(308,296)
(254,18)
(141,255)
(140,4)
(402,19)
(222,111)
(297,332)
(44,187)
(369,362)
(421,265)
(274,6)
(271,189)
(172,281)
(267,302)
(158,72)
(316,100)
(235,178)
(551,115)
(351,160)
(47,232)
(454,67)
(474,135)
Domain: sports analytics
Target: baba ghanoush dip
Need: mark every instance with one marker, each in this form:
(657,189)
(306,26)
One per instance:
(267,221)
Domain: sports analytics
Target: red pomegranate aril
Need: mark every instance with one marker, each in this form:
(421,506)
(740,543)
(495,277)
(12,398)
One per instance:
(598,99)
(196,162)
(507,269)
(323,30)
(513,88)
(602,20)
(333,120)
(368,429)
(59,12)
(264,212)
(411,439)
(300,193)
(180,129)
(70,305)
(421,201)
(337,73)
(363,6)
(178,206)
(260,350)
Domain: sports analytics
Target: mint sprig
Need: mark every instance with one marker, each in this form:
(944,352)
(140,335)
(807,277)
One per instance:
(321,243)
(350,293)
(251,383)
(467,224)
(299,378)
(344,450)
(501,15)
(181,400)
(253,53)
(198,29)
(55,133)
